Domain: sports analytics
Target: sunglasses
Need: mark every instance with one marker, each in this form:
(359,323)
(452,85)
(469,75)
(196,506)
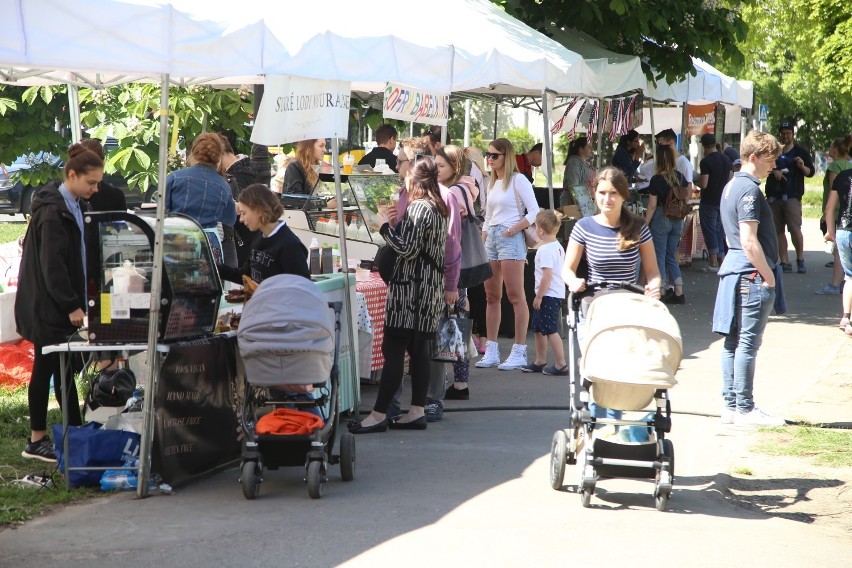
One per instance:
(493,155)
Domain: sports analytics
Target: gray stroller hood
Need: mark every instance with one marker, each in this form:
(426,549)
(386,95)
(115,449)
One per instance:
(286,333)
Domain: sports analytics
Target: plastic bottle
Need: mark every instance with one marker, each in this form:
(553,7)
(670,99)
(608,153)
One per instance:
(332,227)
(363,233)
(352,229)
(320,224)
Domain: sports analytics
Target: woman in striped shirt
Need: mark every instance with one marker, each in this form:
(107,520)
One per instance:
(613,241)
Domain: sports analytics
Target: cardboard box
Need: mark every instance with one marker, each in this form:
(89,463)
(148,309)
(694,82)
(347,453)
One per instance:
(7,318)
(570,211)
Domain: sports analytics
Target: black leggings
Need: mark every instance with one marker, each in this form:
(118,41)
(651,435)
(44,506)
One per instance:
(39,390)
(395,344)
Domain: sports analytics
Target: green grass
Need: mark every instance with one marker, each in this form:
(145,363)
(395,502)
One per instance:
(743,471)
(19,503)
(822,446)
(10,231)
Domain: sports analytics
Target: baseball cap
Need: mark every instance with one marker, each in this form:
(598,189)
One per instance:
(786,125)
(708,140)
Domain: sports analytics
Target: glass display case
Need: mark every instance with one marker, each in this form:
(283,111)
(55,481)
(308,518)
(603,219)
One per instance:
(119,266)
(363,195)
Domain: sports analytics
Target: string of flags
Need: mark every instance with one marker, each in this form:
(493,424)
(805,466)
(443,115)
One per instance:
(620,115)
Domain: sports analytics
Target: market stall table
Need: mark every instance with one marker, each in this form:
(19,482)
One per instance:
(194,407)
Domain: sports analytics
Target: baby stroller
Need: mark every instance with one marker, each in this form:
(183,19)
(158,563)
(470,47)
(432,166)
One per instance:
(632,351)
(289,342)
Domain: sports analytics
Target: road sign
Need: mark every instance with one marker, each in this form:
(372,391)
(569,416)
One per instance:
(763,113)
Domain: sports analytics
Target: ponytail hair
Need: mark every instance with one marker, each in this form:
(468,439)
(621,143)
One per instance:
(82,160)
(630,225)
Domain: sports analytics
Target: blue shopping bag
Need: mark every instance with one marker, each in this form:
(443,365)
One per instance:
(92,445)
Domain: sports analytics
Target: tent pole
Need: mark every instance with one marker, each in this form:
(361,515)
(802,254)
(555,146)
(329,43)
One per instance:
(601,120)
(651,114)
(156,293)
(495,122)
(344,262)
(548,149)
(466,123)
(74,111)
(600,143)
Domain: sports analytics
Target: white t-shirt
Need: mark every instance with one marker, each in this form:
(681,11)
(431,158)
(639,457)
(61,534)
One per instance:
(550,255)
(649,168)
(502,206)
(684,166)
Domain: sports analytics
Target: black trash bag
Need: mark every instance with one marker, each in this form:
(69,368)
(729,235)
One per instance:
(111,387)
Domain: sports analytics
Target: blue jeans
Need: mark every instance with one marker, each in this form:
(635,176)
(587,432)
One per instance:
(667,234)
(711,228)
(754,301)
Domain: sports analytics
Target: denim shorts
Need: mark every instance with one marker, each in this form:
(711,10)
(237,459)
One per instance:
(545,320)
(843,239)
(498,247)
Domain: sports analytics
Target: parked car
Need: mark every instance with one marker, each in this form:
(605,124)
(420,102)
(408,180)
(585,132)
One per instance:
(16,197)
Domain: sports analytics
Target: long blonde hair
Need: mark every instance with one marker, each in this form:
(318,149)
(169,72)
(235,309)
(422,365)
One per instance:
(510,165)
(305,156)
(665,165)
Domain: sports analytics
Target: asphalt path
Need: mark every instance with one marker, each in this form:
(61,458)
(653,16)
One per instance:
(473,489)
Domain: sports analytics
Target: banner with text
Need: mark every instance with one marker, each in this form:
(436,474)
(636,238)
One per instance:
(296,108)
(701,119)
(412,105)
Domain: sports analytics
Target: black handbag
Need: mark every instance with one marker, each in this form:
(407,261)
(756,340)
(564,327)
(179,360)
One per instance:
(111,387)
(475,266)
(385,261)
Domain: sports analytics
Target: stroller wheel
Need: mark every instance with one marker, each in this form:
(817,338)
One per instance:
(668,450)
(661,501)
(314,479)
(347,456)
(250,480)
(558,448)
(586,497)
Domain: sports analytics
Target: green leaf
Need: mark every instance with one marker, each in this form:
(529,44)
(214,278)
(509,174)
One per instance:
(142,158)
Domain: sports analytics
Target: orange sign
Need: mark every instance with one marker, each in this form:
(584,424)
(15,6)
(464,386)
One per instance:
(700,119)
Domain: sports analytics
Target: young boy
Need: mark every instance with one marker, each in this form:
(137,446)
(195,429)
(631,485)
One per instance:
(550,292)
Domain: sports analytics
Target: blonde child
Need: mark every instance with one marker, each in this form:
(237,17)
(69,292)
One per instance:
(549,295)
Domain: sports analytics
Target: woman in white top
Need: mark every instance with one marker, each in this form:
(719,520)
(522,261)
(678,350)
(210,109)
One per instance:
(509,194)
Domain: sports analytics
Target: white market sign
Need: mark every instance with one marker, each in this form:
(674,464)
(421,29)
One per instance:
(412,105)
(297,108)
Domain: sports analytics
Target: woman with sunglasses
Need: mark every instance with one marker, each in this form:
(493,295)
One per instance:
(509,193)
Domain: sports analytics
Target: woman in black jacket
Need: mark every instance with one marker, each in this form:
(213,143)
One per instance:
(51,299)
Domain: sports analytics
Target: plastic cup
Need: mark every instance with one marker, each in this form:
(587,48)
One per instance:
(348,163)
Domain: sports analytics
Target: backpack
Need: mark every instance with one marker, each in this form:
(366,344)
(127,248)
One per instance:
(677,203)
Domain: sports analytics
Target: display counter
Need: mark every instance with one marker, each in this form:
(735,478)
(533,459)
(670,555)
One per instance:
(310,217)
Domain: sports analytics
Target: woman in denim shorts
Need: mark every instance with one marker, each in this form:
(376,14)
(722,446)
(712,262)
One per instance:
(511,207)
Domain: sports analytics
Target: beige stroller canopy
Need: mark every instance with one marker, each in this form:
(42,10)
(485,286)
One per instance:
(633,347)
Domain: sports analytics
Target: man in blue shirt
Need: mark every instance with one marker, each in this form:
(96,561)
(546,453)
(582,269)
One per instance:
(748,280)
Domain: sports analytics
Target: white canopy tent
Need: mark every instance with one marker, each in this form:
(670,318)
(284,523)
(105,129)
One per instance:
(98,43)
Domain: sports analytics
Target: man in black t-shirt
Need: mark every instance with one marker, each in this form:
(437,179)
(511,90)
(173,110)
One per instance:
(716,171)
(386,136)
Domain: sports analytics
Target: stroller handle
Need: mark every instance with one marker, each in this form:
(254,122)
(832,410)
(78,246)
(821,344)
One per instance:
(592,287)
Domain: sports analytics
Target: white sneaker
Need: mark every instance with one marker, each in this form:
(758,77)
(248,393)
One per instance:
(757,418)
(516,359)
(728,415)
(491,357)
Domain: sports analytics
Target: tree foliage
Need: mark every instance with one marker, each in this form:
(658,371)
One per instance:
(37,119)
(798,54)
(665,33)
